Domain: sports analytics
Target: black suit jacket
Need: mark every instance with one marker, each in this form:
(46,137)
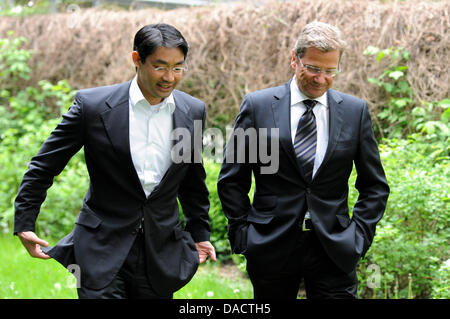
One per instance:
(115,202)
(265,230)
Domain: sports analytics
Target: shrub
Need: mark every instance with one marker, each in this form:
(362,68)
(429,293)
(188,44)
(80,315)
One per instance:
(412,236)
(27,118)
(441,283)
(410,244)
(395,117)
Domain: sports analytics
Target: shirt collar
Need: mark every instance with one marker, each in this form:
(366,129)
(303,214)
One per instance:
(136,97)
(297,96)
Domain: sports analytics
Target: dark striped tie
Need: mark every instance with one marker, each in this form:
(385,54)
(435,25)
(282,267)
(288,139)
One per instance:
(306,139)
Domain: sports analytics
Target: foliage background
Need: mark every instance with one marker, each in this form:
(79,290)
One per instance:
(398,63)
(242,47)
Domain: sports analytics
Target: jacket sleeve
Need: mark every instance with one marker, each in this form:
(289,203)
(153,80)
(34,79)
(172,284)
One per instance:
(193,195)
(236,177)
(64,142)
(371,183)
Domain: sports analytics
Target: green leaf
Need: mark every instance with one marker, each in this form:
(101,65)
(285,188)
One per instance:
(401,68)
(393,118)
(443,127)
(380,56)
(445,116)
(373,81)
(383,114)
(388,87)
(396,75)
(429,127)
(404,86)
(418,111)
(401,102)
(445,103)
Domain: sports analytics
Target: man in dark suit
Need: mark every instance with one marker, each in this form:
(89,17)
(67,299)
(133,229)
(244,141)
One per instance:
(128,240)
(298,226)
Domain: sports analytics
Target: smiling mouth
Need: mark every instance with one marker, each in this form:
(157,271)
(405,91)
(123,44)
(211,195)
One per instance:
(165,87)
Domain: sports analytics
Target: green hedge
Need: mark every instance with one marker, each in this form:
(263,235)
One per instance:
(411,243)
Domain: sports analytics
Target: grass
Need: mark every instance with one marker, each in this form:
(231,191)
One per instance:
(210,283)
(24,277)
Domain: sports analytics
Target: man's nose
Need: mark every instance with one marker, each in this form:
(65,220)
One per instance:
(320,78)
(169,75)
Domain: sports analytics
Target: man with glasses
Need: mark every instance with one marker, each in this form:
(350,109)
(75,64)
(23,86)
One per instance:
(128,240)
(298,227)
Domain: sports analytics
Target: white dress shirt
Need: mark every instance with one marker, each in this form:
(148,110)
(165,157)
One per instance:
(322,120)
(150,144)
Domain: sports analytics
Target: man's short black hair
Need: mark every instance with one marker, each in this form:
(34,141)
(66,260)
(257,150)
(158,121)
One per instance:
(153,36)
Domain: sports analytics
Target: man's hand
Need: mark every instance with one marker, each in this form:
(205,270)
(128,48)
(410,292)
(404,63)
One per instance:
(205,249)
(33,244)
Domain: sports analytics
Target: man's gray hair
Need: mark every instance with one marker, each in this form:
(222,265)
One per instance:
(320,35)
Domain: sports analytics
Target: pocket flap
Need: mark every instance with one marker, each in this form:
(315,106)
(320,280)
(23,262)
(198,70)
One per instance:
(265,202)
(88,220)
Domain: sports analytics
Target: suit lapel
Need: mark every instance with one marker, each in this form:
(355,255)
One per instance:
(281,107)
(181,118)
(117,126)
(335,125)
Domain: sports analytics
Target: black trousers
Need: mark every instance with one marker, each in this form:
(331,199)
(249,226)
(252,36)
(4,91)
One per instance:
(309,262)
(131,281)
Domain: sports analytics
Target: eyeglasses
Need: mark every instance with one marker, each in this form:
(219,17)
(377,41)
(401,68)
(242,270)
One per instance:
(164,69)
(329,73)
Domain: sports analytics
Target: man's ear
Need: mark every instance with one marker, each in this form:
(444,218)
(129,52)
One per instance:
(293,60)
(136,58)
